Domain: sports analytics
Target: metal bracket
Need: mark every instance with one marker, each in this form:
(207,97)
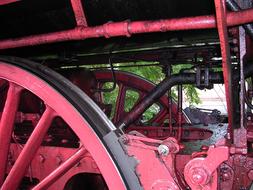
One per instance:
(202,78)
(200,173)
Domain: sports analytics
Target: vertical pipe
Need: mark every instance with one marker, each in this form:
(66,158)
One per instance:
(180,113)
(240,134)
(170,110)
(226,63)
(79,13)
(242,80)
(168,74)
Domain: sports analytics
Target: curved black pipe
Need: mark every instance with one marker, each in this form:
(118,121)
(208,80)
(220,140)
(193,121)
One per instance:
(168,83)
(161,89)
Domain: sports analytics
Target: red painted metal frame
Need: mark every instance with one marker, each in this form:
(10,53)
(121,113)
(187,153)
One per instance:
(4,2)
(190,134)
(201,173)
(226,62)
(158,171)
(127,28)
(79,13)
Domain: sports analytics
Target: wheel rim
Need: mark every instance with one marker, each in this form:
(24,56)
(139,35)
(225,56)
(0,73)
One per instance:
(90,138)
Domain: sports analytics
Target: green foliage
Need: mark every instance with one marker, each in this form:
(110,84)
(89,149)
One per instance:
(152,73)
(110,97)
(191,94)
(177,68)
(155,74)
(130,100)
(150,113)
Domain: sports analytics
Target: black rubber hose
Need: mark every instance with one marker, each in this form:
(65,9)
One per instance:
(232,5)
(161,89)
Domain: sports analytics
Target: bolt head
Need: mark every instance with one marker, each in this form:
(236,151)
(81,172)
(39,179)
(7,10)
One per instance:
(225,176)
(163,150)
(250,174)
(42,158)
(199,176)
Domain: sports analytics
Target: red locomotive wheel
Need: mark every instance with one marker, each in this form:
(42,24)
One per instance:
(60,99)
(126,81)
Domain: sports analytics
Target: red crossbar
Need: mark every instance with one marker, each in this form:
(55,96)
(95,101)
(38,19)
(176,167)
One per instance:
(128,28)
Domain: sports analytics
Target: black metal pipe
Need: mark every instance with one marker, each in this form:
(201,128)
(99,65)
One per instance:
(180,110)
(160,90)
(232,5)
(170,101)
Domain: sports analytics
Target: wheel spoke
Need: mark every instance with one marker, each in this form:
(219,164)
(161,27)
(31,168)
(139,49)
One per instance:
(87,125)
(6,125)
(119,108)
(18,170)
(61,170)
